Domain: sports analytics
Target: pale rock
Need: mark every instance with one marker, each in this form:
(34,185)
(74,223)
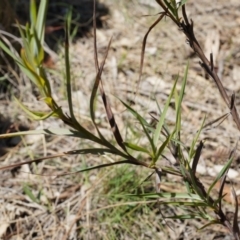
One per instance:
(201,169)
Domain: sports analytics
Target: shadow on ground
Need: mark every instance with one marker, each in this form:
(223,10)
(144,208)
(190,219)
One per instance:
(6,126)
(82,12)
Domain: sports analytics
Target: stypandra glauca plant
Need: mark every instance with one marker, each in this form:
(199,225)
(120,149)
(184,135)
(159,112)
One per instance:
(197,200)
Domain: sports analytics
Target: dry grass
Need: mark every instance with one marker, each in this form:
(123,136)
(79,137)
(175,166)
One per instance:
(91,205)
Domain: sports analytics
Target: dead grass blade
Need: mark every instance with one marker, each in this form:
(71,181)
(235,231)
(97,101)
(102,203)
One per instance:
(144,46)
(95,37)
(95,151)
(235,219)
(98,83)
(220,194)
(128,161)
(197,157)
(220,120)
(31,161)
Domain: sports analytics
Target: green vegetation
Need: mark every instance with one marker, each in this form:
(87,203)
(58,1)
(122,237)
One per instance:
(134,194)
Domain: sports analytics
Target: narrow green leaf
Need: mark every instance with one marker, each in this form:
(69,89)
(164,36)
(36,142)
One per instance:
(185,174)
(213,222)
(4,47)
(95,151)
(136,147)
(182,3)
(39,56)
(29,69)
(172,6)
(192,151)
(135,114)
(222,172)
(34,114)
(37,30)
(33,12)
(169,5)
(160,112)
(41,18)
(223,181)
(145,125)
(171,170)
(163,146)
(178,102)
(178,115)
(29,193)
(184,203)
(29,55)
(68,73)
(185,216)
(158,129)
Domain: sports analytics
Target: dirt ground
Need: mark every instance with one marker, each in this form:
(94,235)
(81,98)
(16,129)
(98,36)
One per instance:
(79,206)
